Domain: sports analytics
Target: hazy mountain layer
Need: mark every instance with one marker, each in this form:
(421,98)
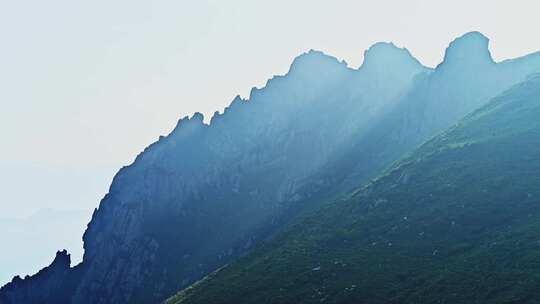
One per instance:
(205,194)
(456,222)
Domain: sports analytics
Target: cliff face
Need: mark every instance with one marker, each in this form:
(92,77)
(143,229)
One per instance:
(205,194)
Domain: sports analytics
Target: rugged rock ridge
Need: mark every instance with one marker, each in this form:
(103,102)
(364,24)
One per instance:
(464,81)
(49,285)
(455,222)
(225,186)
(205,194)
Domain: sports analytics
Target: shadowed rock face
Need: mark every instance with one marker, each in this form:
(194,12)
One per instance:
(204,194)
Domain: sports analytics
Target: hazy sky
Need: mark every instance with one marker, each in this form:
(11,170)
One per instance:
(86,85)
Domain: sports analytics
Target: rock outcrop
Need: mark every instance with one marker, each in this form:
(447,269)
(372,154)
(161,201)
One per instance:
(53,284)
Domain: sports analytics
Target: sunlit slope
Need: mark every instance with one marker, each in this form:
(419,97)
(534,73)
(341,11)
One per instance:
(456,222)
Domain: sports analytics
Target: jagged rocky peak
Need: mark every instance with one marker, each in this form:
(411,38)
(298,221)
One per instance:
(385,55)
(50,285)
(61,262)
(62,259)
(196,119)
(315,62)
(237,102)
(469,49)
(193,122)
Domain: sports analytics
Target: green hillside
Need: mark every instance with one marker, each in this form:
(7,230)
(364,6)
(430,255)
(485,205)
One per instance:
(456,222)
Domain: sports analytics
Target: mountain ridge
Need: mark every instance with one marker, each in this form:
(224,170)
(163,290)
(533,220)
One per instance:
(206,193)
(456,221)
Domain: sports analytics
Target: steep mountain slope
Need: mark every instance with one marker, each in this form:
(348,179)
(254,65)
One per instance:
(205,194)
(456,222)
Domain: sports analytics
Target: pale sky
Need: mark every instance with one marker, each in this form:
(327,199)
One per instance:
(86,85)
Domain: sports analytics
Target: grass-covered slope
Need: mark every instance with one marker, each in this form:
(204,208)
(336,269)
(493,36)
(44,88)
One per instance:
(456,222)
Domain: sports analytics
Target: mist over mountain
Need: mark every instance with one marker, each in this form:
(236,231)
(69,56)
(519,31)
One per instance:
(455,222)
(204,195)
